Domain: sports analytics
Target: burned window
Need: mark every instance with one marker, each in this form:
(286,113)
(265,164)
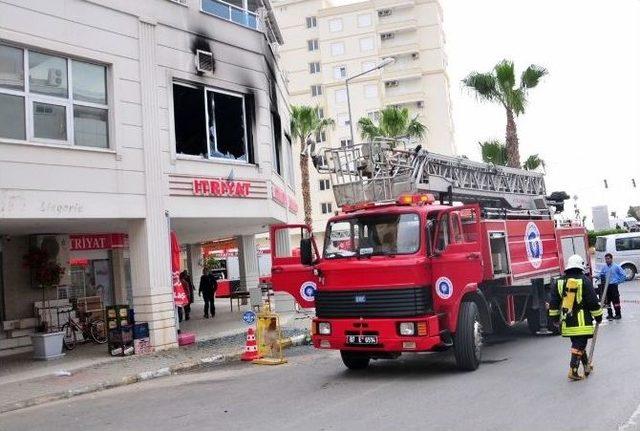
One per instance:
(212,124)
(277,142)
(190,120)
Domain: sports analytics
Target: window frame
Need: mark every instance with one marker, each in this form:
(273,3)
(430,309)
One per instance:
(339,76)
(313,45)
(317,89)
(67,102)
(368,38)
(336,20)
(314,67)
(326,207)
(365,89)
(368,15)
(311,21)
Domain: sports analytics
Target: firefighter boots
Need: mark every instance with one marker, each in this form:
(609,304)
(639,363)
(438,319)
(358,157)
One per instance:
(574,365)
(588,368)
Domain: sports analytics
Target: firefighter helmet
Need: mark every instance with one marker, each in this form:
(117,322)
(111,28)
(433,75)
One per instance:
(575,262)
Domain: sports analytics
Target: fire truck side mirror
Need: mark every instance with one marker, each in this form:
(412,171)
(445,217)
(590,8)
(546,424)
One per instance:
(306,251)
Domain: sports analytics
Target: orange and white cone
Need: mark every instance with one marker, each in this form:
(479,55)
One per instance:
(251,347)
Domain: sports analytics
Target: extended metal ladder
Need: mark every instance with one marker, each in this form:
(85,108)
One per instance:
(380,171)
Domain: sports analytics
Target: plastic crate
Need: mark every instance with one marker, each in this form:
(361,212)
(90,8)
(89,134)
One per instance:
(121,335)
(140,330)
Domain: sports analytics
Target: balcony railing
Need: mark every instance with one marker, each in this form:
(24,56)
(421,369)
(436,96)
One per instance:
(231,13)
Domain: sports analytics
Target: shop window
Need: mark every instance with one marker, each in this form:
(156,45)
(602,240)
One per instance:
(65,101)
(211,123)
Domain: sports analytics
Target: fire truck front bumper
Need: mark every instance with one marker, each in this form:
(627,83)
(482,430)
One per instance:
(377,335)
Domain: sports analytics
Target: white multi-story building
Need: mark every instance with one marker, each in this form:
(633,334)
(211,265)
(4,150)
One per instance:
(121,120)
(325,44)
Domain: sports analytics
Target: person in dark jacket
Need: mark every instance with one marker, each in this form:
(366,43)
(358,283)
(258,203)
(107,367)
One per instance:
(573,308)
(207,289)
(185,278)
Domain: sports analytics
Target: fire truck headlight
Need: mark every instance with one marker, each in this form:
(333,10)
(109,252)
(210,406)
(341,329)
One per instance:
(407,328)
(324,328)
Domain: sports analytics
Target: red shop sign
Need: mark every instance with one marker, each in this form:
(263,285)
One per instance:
(103,241)
(219,187)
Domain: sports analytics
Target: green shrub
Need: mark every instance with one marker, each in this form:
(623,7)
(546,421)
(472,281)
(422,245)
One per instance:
(593,234)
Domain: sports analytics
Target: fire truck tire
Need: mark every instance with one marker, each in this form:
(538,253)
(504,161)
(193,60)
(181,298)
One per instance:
(467,343)
(354,360)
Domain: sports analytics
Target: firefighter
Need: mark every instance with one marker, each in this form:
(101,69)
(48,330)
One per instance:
(573,308)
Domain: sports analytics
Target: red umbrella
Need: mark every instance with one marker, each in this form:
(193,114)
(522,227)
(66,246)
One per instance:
(180,297)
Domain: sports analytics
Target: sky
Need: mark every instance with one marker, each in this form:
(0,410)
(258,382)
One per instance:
(583,118)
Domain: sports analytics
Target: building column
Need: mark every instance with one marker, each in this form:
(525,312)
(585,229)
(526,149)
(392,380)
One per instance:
(119,276)
(149,239)
(248,260)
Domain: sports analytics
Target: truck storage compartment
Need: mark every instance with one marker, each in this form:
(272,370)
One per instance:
(499,257)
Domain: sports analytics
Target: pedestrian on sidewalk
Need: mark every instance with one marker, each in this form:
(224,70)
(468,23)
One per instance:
(189,288)
(207,289)
(616,276)
(573,308)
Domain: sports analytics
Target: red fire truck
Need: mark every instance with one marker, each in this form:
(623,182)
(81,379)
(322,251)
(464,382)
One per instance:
(428,253)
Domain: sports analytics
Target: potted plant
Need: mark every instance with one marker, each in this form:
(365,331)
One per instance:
(46,273)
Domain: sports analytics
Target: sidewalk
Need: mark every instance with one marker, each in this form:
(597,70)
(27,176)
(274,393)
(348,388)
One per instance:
(25,382)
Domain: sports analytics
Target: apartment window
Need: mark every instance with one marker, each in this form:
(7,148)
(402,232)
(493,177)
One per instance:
(368,65)
(312,45)
(326,208)
(325,185)
(335,25)
(323,161)
(312,22)
(212,123)
(314,67)
(340,72)
(364,20)
(241,12)
(340,95)
(371,91)
(52,99)
(345,143)
(374,116)
(276,123)
(366,44)
(321,136)
(316,90)
(342,119)
(337,48)
(320,112)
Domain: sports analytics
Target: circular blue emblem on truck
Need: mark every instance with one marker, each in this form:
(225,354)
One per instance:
(308,291)
(444,288)
(249,317)
(533,244)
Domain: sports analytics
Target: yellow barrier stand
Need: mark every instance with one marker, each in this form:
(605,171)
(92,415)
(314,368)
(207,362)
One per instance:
(269,338)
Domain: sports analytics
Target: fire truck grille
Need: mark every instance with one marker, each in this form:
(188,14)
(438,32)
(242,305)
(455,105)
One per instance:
(407,302)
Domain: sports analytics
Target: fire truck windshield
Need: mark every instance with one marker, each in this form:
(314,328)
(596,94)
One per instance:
(369,235)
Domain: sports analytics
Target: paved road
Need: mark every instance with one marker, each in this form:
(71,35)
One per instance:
(520,386)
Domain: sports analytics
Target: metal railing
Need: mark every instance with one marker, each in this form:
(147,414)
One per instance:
(231,13)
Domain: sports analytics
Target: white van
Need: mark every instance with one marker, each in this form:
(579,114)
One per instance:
(625,249)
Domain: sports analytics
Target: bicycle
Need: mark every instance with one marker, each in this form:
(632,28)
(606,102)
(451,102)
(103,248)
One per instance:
(95,329)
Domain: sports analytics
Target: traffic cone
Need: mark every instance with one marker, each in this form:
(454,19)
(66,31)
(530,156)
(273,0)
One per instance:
(251,347)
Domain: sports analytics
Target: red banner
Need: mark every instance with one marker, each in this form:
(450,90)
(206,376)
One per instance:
(180,297)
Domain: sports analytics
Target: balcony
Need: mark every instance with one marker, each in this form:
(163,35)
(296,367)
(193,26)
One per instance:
(397,27)
(401,73)
(400,4)
(231,13)
(393,50)
(404,98)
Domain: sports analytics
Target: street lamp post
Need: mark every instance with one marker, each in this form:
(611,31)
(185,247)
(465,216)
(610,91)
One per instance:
(385,62)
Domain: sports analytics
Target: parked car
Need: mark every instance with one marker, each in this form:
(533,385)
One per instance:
(625,248)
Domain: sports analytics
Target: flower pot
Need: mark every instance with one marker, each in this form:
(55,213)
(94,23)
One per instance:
(47,346)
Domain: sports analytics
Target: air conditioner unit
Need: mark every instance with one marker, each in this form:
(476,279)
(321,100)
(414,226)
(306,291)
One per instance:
(204,61)
(387,36)
(54,77)
(415,56)
(384,12)
(390,84)
(420,104)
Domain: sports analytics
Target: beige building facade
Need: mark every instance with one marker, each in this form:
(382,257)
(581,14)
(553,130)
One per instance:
(325,44)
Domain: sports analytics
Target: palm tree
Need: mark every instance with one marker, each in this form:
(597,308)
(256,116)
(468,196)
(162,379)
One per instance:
(394,123)
(499,85)
(534,162)
(496,152)
(305,123)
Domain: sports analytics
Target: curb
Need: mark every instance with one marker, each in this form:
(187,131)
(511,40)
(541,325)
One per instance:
(202,363)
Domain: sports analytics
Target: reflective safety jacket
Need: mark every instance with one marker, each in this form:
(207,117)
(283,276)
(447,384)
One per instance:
(574,301)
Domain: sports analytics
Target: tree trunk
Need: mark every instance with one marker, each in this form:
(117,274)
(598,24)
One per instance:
(513,151)
(306,192)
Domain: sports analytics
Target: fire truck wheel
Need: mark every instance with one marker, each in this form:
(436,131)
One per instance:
(467,343)
(354,360)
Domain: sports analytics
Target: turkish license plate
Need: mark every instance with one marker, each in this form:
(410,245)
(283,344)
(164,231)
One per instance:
(362,339)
